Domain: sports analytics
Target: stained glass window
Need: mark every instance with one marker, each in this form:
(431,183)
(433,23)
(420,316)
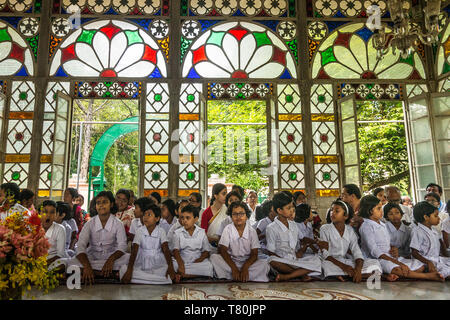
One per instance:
(109,48)
(443,58)
(239,50)
(348,53)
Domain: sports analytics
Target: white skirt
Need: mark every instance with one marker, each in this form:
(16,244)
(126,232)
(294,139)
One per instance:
(308,262)
(332,270)
(153,276)
(98,264)
(412,264)
(203,269)
(257,272)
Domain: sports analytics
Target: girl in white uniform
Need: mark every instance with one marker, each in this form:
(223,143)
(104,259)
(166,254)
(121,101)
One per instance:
(425,242)
(303,219)
(191,247)
(63,214)
(168,215)
(269,215)
(140,205)
(339,238)
(375,244)
(232,196)
(286,255)
(238,247)
(150,261)
(399,232)
(102,242)
(56,236)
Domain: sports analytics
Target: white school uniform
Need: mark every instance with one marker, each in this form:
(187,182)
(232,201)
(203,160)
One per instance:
(338,247)
(223,224)
(166,226)
(56,236)
(408,216)
(375,241)
(73,224)
(400,238)
(191,248)
(200,213)
(14,209)
(262,225)
(284,243)
(446,229)
(100,243)
(70,253)
(135,224)
(426,242)
(171,233)
(305,231)
(150,266)
(239,249)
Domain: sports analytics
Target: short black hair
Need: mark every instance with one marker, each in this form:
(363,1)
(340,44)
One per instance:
(109,195)
(434,185)
(289,194)
(171,206)
(298,194)
(155,209)
(49,203)
(197,195)
(376,191)
(280,200)
(125,192)
(178,204)
(434,195)
(240,190)
(302,212)
(388,208)
(143,203)
(80,196)
(349,212)
(157,196)
(352,188)
(264,209)
(73,192)
(237,204)
(64,207)
(194,210)
(11,189)
(366,205)
(422,209)
(26,194)
(230,194)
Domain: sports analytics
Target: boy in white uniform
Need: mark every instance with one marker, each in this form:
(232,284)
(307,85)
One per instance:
(106,238)
(63,214)
(286,254)
(375,244)
(238,247)
(303,218)
(340,237)
(150,261)
(191,247)
(269,215)
(399,232)
(56,235)
(425,244)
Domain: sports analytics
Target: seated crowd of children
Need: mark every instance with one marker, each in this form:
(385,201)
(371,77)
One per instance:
(152,242)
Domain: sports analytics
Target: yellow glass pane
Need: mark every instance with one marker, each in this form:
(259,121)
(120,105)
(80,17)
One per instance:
(46,158)
(21,115)
(162,192)
(327,193)
(189,116)
(189,158)
(292,159)
(186,192)
(290,117)
(43,193)
(322,117)
(326,159)
(156,158)
(10,158)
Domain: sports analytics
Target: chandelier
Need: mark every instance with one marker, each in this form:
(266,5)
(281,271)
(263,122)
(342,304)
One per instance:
(406,34)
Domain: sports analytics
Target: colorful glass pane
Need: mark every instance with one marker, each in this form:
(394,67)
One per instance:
(109,48)
(239,50)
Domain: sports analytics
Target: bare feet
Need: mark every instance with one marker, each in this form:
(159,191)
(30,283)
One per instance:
(177,278)
(340,278)
(436,276)
(280,277)
(306,278)
(391,277)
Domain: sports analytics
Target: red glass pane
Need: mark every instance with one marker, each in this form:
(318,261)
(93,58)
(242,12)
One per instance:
(279,56)
(199,55)
(239,74)
(108,73)
(110,30)
(369,75)
(149,55)
(68,53)
(238,32)
(343,39)
(17,52)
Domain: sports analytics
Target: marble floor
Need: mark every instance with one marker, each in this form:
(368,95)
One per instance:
(317,290)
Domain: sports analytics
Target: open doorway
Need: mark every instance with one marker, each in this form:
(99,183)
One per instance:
(105,145)
(237,145)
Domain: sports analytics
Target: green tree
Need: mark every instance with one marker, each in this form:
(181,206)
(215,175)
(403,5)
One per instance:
(383,149)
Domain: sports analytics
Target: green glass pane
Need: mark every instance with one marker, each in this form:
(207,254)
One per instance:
(446,68)
(49,176)
(15,175)
(261,39)
(156,176)
(55,96)
(321,98)
(326,176)
(190,97)
(216,38)
(23,96)
(4,36)
(86,36)
(190,175)
(289,98)
(292,176)
(133,37)
(158,97)
(409,60)
(328,56)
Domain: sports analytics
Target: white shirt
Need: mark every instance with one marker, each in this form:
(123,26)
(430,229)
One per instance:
(56,236)
(253,215)
(407,214)
(239,248)
(262,225)
(150,252)
(165,225)
(400,238)
(68,233)
(375,239)
(446,225)
(73,224)
(305,230)
(199,221)
(135,224)
(171,233)
(15,208)
(191,247)
(223,224)
(338,246)
(426,242)
(103,242)
(281,240)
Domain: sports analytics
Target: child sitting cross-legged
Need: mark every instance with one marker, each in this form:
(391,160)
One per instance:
(399,232)
(150,261)
(191,247)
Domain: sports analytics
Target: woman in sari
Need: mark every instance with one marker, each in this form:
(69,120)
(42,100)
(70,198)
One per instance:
(213,216)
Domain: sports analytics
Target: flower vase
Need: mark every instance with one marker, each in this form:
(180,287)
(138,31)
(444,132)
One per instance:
(11,293)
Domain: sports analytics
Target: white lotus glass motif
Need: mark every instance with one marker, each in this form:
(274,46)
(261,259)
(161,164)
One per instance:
(348,53)
(239,50)
(14,53)
(109,48)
